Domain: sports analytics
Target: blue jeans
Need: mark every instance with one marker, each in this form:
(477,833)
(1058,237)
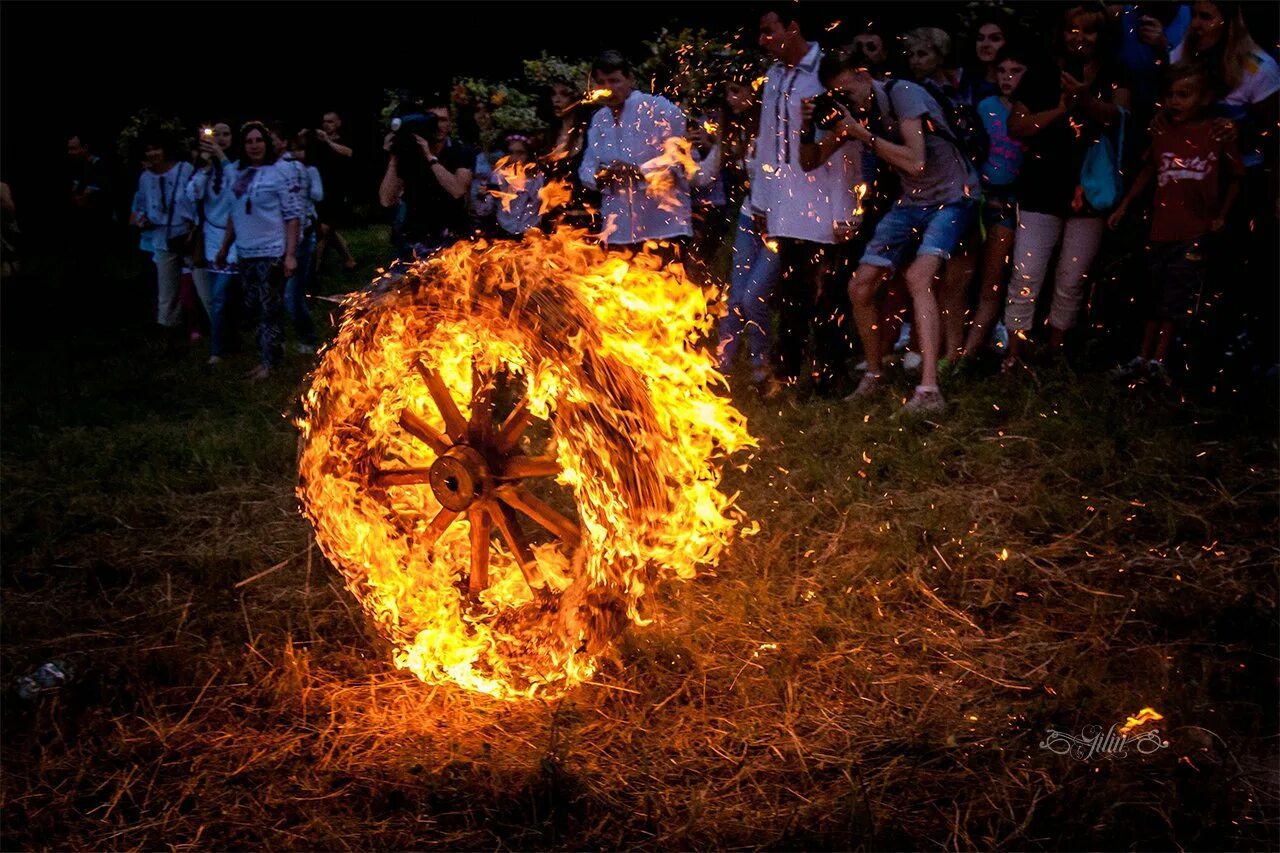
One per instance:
(295,291)
(219,288)
(937,227)
(756,268)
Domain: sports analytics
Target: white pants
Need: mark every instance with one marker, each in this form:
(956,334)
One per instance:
(1037,234)
(168,288)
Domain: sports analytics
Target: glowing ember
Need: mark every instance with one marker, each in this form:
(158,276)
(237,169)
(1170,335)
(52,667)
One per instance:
(505,450)
(1146,715)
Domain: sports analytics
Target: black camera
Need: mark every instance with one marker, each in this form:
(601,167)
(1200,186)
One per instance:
(826,108)
(416,124)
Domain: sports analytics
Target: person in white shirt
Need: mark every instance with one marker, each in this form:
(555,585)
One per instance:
(264,227)
(304,180)
(165,215)
(626,135)
(210,192)
(810,214)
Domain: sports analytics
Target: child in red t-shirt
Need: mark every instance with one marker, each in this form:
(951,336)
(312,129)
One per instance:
(1197,180)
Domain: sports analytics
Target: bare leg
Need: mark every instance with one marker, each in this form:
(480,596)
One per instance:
(995,255)
(862,295)
(1149,336)
(925,319)
(323,231)
(350,259)
(954,299)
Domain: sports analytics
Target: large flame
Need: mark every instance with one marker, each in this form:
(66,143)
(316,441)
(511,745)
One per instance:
(662,173)
(609,352)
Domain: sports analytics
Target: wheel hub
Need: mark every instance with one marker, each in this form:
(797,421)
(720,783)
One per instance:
(460,477)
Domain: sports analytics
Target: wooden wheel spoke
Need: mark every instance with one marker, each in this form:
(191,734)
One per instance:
(519,498)
(482,388)
(438,526)
(401,476)
(424,432)
(478,515)
(513,427)
(454,423)
(509,526)
(524,467)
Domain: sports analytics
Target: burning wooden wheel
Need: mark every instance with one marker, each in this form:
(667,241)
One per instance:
(477,475)
(507,448)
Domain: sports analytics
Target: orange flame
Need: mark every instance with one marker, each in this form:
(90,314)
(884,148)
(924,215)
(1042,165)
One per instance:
(553,195)
(544,381)
(1146,715)
(516,175)
(662,173)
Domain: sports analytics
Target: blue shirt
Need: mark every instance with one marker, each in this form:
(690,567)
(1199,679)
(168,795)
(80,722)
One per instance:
(1004,157)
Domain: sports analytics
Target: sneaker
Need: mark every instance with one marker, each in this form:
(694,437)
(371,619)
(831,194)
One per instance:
(870,386)
(912,362)
(1000,336)
(258,373)
(904,338)
(926,402)
(1157,374)
(214,359)
(305,349)
(1132,369)
(860,366)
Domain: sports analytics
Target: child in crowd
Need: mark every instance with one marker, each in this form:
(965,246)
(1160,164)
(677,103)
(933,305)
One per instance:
(510,194)
(999,206)
(1197,180)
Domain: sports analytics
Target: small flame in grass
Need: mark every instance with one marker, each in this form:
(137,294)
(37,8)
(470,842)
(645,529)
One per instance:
(1004,554)
(711,127)
(1146,715)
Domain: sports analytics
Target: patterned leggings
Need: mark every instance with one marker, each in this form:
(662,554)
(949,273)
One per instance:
(263,280)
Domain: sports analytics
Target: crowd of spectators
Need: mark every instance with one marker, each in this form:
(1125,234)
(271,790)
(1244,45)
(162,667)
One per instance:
(926,201)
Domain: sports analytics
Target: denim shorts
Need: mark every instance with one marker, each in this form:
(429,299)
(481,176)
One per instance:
(939,228)
(999,209)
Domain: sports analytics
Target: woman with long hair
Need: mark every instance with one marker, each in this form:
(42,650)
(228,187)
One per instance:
(1059,112)
(264,227)
(567,115)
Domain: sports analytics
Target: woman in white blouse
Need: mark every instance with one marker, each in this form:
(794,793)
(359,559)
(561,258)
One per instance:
(264,223)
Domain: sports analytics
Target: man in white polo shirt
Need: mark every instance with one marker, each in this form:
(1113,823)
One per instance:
(629,131)
(810,214)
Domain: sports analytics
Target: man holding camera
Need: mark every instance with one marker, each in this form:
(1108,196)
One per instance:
(810,212)
(626,134)
(936,207)
(429,177)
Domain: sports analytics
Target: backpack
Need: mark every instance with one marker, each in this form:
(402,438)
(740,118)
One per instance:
(964,128)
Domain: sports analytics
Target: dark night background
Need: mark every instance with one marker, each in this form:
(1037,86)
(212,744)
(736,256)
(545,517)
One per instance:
(70,65)
(64,65)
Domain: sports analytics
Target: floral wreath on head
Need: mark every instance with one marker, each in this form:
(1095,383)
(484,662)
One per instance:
(509,108)
(549,70)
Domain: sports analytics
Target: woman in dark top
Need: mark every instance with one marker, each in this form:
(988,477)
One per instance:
(1059,112)
(567,118)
